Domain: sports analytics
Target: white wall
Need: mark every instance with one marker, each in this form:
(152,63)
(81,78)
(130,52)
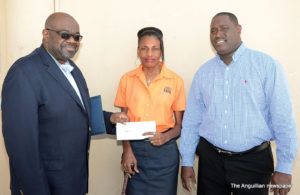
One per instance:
(109,50)
(4,169)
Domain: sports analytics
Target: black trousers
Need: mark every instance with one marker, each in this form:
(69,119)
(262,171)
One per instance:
(248,174)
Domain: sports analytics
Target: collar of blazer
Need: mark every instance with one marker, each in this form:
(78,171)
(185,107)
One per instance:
(57,74)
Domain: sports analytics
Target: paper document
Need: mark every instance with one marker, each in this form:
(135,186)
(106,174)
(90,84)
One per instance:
(135,130)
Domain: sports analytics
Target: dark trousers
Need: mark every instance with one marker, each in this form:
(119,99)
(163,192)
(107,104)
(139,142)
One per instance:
(248,174)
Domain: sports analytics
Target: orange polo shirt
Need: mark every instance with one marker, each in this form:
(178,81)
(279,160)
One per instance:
(155,102)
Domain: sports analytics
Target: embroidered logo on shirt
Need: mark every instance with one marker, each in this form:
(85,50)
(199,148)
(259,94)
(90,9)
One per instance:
(167,90)
(245,81)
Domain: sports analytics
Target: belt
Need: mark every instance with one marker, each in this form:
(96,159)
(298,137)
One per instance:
(223,152)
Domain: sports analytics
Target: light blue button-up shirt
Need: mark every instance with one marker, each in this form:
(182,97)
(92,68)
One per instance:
(239,106)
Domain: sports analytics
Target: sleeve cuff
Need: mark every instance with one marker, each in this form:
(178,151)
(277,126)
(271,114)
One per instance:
(187,160)
(110,128)
(284,167)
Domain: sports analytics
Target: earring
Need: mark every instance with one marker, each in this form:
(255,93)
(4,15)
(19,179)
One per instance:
(137,61)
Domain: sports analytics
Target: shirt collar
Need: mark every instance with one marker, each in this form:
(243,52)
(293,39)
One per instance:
(66,67)
(163,73)
(236,54)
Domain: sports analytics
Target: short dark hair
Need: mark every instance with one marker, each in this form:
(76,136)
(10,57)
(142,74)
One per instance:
(152,31)
(231,16)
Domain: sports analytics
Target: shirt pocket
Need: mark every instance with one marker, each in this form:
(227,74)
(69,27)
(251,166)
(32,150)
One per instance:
(163,97)
(252,91)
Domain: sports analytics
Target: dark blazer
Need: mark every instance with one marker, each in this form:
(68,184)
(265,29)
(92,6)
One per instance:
(45,127)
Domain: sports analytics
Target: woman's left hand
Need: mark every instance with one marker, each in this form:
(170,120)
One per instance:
(158,138)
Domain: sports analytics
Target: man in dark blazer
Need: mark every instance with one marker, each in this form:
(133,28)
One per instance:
(46,115)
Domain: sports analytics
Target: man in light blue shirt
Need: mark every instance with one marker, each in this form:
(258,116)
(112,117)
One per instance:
(238,102)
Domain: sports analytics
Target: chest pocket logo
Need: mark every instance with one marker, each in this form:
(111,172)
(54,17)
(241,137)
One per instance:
(252,91)
(167,90)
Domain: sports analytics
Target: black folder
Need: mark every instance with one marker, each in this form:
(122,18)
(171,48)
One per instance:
(98,125)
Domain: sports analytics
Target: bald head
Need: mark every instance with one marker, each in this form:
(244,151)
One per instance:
(60,47)
(59,20)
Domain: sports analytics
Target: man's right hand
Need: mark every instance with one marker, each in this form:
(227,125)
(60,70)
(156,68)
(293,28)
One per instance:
(119,117)
(187,174)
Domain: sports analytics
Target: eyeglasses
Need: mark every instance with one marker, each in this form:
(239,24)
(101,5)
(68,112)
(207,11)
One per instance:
(67,36)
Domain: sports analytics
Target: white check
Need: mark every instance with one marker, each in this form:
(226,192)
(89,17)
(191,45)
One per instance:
(135,130)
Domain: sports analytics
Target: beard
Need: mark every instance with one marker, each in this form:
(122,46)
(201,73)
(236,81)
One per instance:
(67,54)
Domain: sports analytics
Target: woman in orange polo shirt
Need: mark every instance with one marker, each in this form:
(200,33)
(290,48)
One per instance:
(152,92)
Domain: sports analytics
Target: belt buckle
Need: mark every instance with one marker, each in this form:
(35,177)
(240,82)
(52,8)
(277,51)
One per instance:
(226,153)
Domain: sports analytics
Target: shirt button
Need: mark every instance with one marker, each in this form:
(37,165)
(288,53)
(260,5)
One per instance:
(227,68)
(90,129)
(226,82)
(148,105)
(225,126)
(146,114)
(226,97)
(225,111)
(225,142)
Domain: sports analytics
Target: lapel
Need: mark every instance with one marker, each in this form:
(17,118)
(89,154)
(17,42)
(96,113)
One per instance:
(84,94)
(57,74)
